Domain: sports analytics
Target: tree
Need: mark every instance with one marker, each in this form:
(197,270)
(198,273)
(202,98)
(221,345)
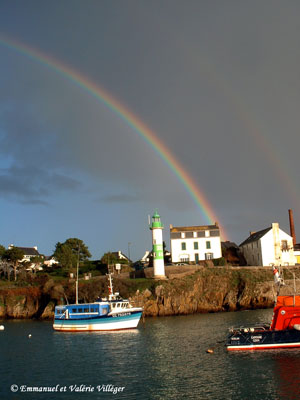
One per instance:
(37,261)
(2,250)
(109,258)
(14,255)
(69,252)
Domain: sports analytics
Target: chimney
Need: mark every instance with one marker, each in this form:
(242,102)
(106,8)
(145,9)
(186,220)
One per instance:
(292,227)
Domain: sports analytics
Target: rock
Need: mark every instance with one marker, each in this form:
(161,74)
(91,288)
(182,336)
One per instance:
(147,293)
(48,312)
(159,291)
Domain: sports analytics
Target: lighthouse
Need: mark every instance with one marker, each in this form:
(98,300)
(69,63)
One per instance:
(157,246)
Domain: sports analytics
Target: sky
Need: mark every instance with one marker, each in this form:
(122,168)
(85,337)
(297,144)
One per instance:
(217,83)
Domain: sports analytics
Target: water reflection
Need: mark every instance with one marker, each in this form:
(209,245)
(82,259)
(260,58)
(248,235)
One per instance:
(164,359)
(287,373)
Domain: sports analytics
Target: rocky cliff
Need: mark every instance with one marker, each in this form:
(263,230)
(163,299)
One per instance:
(195,290)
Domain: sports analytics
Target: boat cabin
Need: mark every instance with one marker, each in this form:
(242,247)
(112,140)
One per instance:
(286,313)
(77,311)
(117,305)
(90,310)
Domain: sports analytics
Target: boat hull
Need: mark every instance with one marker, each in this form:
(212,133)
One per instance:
(101,323)
(263,340)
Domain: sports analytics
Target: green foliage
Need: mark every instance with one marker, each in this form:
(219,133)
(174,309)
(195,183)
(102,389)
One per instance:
(13,255)
(219,262)
(37,259)
(69,252)
(110,258)
(2,250)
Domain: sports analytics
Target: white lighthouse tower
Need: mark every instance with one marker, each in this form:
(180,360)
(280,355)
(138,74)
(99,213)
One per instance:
(157,246)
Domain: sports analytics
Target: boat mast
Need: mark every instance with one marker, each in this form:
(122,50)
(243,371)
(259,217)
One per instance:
(77,270)
(110,286)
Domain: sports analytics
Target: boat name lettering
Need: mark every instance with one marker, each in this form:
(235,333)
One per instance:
(235,338)
(255,338)
(121,315)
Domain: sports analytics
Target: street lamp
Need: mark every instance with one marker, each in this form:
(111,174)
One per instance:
(129,243)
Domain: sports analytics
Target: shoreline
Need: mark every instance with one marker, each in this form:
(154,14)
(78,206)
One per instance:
(190,291)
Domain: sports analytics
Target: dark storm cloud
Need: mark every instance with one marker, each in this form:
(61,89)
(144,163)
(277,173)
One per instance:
(33,185)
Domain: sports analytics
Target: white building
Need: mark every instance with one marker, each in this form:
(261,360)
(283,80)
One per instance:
(297,252)
(29,252)
(49,261)
(270,246)
(195,243)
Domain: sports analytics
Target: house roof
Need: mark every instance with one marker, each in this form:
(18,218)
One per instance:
(118,253)
(29,251)
(254,237)
(193,228)
(228,245)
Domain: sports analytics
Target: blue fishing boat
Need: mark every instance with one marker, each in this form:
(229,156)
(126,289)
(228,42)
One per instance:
(104,314)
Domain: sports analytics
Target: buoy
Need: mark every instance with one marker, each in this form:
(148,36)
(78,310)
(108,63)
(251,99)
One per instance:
(1,327)
(209,351)
(29,335)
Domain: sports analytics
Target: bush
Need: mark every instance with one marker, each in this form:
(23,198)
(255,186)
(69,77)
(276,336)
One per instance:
(219,262)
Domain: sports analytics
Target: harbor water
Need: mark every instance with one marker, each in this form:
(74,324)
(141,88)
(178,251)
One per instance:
(165,358)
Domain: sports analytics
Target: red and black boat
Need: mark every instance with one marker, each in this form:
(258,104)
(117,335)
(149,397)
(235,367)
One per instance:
(283,332)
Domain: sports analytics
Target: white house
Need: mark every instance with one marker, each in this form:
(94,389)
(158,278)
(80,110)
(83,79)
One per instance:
(270,246)
(297,252)
(29,252)
(195,243)
(49,261)
(120,256)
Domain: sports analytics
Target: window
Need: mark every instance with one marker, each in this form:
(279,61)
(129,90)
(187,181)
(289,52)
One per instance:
(196,247)
(79,309)
(183,246)
(74,310)
(208,244)
(284,245)
(184,259)
(85,310)
(208,256)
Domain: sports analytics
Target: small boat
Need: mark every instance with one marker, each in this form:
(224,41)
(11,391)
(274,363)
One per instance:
(104,314)
(283,332)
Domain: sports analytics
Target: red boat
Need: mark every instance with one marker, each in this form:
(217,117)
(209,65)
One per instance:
(283,332)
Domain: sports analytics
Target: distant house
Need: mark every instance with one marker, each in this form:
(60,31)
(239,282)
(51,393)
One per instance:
(120,256)
(145,258)
(50,260)
(195,243)
(29,252)
(232,254)
(270,246)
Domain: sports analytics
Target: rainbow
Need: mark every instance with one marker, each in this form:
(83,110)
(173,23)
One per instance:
(126,115)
